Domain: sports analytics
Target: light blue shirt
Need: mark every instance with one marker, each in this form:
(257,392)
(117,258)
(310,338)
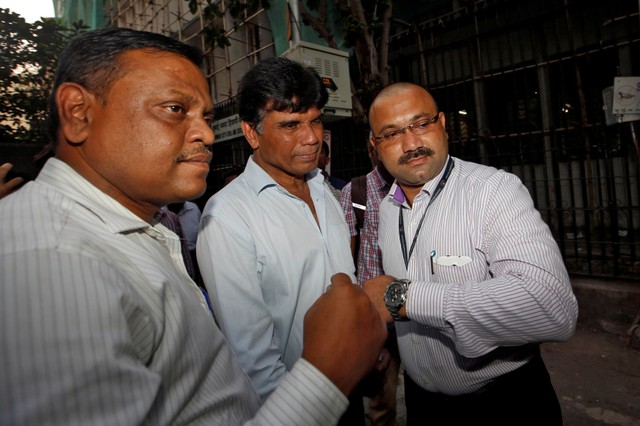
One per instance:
(265,261)
(189,216)
(488,282)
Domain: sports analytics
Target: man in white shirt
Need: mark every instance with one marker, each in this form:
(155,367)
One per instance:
(475,279)
(101,323)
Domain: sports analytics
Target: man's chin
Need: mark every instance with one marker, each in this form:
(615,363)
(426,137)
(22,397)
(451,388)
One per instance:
(188,194)
(414,181)
(414,185)
(306,169)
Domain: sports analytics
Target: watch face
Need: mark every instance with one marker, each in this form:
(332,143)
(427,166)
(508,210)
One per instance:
(395,294)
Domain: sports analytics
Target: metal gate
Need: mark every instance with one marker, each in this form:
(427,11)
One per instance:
(522,84)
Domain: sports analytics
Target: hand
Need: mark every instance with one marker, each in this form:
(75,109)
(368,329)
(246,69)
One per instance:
(372,384)
(7,188)
(343,334)
(375,289)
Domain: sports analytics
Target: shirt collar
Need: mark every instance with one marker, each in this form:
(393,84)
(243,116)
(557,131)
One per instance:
(116,217)
(187,206)
(258,180)
(380,183)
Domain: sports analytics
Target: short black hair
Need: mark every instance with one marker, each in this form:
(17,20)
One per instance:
(279,84)
(91,60)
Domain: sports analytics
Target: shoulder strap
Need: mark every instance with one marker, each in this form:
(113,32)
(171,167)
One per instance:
(359,196)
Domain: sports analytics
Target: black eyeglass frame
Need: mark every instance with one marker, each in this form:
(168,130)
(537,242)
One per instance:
(392,133)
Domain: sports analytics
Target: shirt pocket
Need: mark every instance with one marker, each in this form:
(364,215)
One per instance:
(460,268)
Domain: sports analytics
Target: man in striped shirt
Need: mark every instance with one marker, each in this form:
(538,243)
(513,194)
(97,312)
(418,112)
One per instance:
(475,279)
(100,322)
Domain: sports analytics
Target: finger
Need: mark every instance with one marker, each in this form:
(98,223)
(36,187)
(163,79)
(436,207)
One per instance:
(4,169)
(340,278)
(13,183)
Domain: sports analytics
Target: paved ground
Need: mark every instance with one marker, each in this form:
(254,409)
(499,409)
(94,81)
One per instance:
(596,377)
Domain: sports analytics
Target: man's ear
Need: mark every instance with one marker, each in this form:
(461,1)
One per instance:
(251,134)
(373,147)
(74,106)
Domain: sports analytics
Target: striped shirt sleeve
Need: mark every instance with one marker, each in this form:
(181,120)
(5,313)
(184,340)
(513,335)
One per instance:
(304,397)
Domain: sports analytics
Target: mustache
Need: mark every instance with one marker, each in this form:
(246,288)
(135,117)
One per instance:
(423,151)
(186,155)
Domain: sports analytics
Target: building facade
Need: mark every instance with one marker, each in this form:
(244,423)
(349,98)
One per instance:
(526,86)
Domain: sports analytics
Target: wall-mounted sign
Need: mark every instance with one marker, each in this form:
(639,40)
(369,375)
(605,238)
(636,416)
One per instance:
(227,128)
(626,95)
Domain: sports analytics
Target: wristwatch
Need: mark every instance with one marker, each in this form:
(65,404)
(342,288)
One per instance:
(395,296)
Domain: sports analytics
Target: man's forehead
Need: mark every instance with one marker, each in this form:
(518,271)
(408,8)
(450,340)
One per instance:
(178,69)
(147,59)
(401,105)
(310,113)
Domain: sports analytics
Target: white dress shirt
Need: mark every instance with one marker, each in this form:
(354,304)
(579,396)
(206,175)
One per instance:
(100,323)
(487,279)
(265,261)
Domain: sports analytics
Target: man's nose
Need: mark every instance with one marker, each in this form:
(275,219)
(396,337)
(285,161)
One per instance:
(410,141)
(311,133)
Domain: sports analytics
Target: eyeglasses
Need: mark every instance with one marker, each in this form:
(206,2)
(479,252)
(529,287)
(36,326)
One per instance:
(419,127)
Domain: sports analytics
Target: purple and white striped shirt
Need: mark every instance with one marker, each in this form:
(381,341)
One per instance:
(487,279)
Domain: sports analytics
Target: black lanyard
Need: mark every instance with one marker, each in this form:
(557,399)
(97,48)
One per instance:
(436,192)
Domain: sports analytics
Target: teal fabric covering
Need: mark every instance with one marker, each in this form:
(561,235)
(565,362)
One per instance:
(278,18)
(91,12)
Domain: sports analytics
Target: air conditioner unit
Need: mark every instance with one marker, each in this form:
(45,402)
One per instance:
(333,67)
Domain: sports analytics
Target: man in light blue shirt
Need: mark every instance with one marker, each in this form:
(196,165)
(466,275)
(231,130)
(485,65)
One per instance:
(271,240)
(189,216)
